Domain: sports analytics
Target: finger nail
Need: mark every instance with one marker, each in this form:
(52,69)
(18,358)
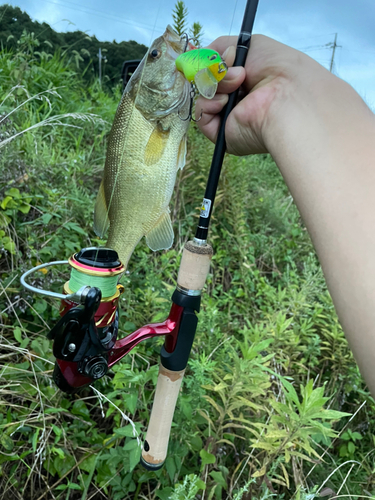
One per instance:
(220,97)
(235,72)
(229,55)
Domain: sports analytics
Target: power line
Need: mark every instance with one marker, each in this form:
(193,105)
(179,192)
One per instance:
(312,49)
(102,14)
(312,37)
(362,51)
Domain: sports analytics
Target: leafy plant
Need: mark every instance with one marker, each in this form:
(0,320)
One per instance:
(179,15)
(262,411)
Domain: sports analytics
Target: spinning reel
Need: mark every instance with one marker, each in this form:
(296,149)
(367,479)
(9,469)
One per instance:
(85,342)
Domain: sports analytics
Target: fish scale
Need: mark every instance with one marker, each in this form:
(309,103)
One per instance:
(146,147)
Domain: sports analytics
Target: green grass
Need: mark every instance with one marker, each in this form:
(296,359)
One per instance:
(249,423)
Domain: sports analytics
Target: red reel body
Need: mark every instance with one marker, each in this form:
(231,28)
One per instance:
(85,339)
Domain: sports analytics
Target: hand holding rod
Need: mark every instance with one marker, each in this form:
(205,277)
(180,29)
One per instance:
(192,275)
(243,45)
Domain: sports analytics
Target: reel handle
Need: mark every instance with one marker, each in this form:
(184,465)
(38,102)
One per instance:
(194,267)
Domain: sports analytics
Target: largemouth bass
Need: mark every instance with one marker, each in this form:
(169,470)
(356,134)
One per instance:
(146,147)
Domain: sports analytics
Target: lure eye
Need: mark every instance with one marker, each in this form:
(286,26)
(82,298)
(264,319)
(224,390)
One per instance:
(212,58)
(155,54)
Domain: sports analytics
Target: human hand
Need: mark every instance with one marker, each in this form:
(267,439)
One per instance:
(274,78)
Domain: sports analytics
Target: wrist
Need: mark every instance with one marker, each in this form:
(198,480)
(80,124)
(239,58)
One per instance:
(302,104)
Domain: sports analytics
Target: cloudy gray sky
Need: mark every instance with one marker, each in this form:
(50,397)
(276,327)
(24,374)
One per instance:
(308,25)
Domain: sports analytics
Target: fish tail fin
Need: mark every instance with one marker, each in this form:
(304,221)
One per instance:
(161,235)
(101,219)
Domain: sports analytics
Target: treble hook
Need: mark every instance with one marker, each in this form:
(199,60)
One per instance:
(200,117)
(190,114)
(187,40)
(192,94)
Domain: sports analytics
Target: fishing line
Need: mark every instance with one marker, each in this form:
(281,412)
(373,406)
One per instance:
(182,104)
(183,101)
(85,273)
(156,20)
(107,284)
(234,12)
(124,148)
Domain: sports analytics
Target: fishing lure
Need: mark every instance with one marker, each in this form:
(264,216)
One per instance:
(203,67)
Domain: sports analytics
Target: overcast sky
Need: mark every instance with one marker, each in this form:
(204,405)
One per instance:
(308,25)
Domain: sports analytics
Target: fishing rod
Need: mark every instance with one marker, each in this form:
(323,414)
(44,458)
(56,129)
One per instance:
(194,268)
(85,339)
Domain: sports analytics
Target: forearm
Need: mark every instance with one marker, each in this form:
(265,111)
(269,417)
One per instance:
(322,137)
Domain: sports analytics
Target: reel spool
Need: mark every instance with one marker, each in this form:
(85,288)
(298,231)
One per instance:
(100,268)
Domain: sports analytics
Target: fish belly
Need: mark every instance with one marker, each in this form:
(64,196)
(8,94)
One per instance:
(137,189)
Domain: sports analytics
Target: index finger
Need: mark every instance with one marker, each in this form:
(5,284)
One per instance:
(222,43)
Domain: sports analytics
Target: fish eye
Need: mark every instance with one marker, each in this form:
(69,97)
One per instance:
(212,58)
(155,53)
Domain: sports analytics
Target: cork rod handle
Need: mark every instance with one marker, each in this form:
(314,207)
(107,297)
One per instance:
(156,444)
(194,268)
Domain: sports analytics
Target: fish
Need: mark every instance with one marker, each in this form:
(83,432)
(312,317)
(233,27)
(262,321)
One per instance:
(146,147)
(203,67)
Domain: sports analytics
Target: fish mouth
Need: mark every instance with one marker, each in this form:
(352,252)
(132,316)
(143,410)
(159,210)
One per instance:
(175,43)
(170,35)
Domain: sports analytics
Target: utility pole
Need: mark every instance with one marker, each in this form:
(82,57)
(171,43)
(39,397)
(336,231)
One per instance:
(333,45)
(100,66)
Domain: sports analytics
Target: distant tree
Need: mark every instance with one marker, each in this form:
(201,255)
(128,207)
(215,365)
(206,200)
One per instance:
(79,48)
(196,34)
(179,15)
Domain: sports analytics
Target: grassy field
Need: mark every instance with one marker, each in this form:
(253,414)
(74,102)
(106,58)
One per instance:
(270,368)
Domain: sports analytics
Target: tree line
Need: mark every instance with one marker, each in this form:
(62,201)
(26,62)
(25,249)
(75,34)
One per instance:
(81,49)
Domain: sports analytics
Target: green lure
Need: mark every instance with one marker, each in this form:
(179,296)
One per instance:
(203,67)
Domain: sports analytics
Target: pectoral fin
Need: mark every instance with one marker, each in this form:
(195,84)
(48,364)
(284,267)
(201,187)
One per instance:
(155,146)
(206,83)
(181,158)
(161,236)
(101,220)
